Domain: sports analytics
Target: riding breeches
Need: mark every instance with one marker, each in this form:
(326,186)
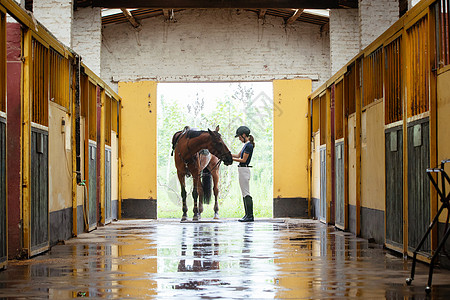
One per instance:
(244,180)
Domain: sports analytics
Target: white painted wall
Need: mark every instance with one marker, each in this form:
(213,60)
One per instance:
(87,36)
(56,16)
(375,17)
(344,37)
(215,45)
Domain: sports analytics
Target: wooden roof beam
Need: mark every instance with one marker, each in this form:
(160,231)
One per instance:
(257,4)
(297,13)
(262,13)
(130,18)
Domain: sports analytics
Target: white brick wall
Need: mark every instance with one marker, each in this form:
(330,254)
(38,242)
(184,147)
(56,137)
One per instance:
(375,17)
(215,45)
(87,36)
(56,16)
(344,37)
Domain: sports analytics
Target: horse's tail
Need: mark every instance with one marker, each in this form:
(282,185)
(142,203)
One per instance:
(206,185)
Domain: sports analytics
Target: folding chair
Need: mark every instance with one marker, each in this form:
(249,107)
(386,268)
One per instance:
(445,198)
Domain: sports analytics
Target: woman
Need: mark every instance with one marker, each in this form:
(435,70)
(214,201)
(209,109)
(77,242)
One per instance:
(244,157)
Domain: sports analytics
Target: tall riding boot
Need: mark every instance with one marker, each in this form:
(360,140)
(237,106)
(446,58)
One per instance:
(249,204)
(244,217)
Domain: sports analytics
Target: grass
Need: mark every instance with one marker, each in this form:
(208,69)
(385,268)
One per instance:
(169,203)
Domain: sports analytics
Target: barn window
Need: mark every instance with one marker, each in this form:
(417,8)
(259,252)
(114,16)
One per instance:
(339,110)
(373,77)
(92,111)
(418,69)
(323,119)
(114,115)
(39,83)
(443,32)
(393,81)
(108,102)
(59,79)
(315,114)
(349,90)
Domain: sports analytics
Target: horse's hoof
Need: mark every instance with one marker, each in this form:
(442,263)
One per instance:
(216,216)
(195,218)
(183,218)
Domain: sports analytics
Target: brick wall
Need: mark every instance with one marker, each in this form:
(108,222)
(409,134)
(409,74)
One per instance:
(344,37)
(215,45)
(375,17)
(87,36)
(56,16)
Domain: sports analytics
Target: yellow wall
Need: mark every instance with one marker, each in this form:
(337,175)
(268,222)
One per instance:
(291,138)
(351,160)
(138,139)
(372,157)
(316,167)
(443,131)
(59,159)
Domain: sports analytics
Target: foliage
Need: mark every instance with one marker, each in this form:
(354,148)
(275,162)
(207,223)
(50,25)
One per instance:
(244,104)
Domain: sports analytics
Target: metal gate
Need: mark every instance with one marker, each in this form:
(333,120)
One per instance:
(92,217)
(340,183)
(418,183)
(394,186)
(108,214)
(323,185)
(39,207)
(3,212)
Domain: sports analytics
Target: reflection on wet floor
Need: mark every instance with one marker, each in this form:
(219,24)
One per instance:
(266,259)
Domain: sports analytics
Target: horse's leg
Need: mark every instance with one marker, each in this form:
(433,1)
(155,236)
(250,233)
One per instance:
(215,176)
(196,178)
(181,178)
(200,196)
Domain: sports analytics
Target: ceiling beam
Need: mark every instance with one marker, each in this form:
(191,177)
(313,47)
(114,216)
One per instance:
(130,18)
(295,16)
(313,4)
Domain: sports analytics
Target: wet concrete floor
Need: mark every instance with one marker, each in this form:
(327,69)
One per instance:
(295,259)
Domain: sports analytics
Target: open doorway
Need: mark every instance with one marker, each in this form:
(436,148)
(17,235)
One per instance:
(206,105)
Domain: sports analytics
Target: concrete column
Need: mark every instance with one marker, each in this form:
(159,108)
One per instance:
(87,36)
(56,16)
(344,37)
(375,17)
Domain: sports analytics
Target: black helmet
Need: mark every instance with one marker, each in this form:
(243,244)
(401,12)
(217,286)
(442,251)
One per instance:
(241,130)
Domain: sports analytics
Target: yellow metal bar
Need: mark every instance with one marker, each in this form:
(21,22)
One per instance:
(119,132)
(74,159)
(433,64)
(309,164)
(26,138)
(328,159)
(358,144)
(102,157)
(405,83)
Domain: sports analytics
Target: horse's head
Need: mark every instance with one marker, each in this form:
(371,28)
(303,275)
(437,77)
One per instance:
(219,148)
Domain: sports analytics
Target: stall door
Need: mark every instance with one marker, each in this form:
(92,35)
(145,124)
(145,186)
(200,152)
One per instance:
(108,214)
(340,182)
(3,213)
(39,226)
(323,185)
(92,217)
(418,183)
(394,186)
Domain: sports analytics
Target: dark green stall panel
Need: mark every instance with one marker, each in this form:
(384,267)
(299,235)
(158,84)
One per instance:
(323,185)
(3,213)
(39,226)
(340,185)
(92,217)
(394,186)
(108,206)
(418,183)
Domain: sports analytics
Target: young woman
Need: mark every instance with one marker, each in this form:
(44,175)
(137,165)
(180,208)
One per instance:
(244,157)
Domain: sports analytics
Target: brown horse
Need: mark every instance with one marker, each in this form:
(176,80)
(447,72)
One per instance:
(187,146)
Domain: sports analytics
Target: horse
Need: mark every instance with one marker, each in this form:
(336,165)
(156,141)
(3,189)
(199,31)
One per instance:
(188,149)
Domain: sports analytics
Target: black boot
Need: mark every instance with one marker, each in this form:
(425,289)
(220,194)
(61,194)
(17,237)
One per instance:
(248,202)
(244,217)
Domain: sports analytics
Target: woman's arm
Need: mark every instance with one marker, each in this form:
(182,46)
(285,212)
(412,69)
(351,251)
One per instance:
(243,159)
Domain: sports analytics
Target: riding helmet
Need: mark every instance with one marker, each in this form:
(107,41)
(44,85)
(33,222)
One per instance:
(241,130)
